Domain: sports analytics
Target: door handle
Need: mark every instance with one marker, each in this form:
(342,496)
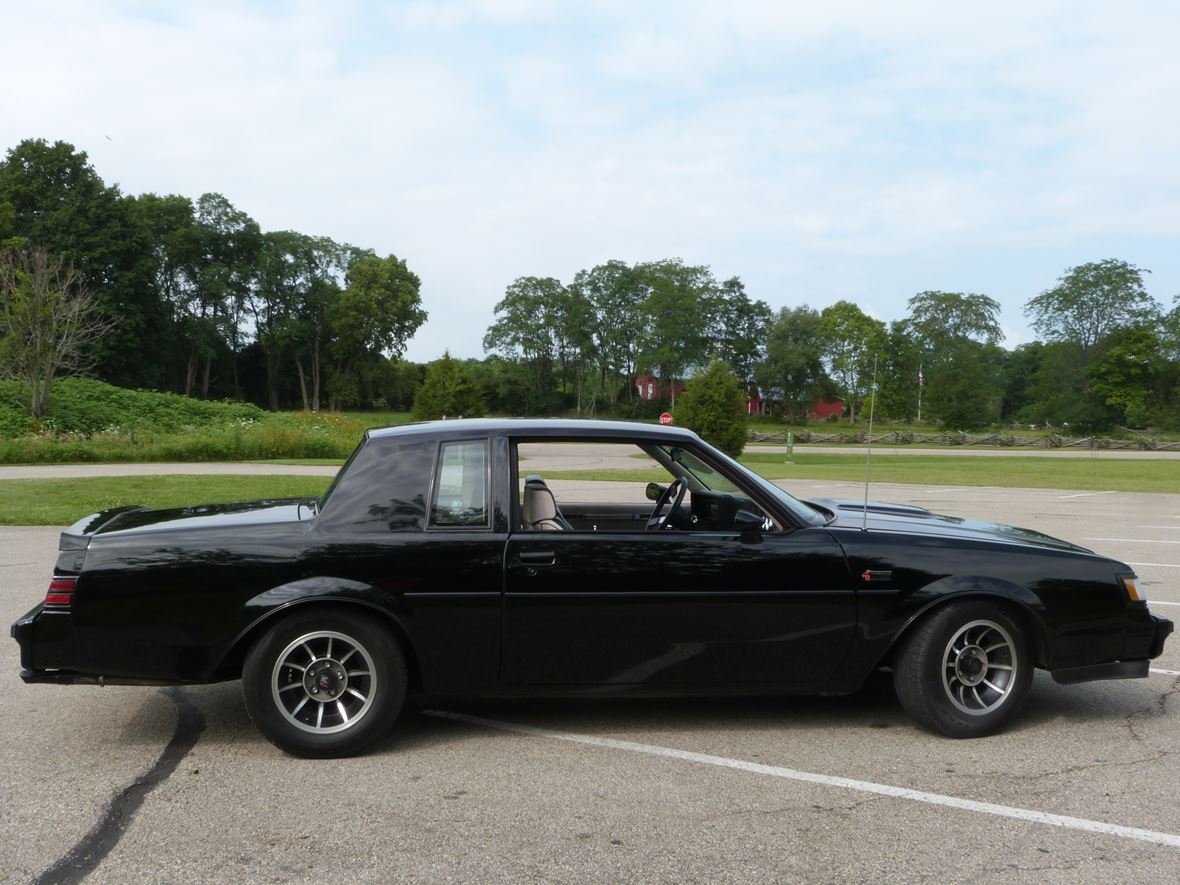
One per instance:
(537,557)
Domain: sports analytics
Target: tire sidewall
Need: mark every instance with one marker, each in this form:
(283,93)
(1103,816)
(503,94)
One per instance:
(389,693)
(930,704)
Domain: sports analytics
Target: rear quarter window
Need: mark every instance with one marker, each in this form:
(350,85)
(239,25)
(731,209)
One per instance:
(383,489)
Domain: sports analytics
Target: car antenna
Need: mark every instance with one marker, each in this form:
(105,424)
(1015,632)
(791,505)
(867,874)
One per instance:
(864,527)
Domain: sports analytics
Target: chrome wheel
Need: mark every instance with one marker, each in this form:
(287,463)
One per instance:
(980,666)
(324,682)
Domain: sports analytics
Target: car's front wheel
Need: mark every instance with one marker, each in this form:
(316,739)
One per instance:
(325,682)
(965,670)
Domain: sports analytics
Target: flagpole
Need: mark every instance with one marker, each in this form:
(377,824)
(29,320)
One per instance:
(920,385)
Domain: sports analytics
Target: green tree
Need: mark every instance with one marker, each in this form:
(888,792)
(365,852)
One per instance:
(851,340)
(1016,378)
(528,330)
(46,321)
(1166,401)
(298,281)
(1059,393)
(1092,300)
(448,390)
(738,327)
(172,257)
(229,242)
(1128,373)
(941,319)
(792,371)
(376,314)
(676,318)
(615,295)
(54,200)
(714,405)
(574,323)
(968,397)
(901,371)
(950,328)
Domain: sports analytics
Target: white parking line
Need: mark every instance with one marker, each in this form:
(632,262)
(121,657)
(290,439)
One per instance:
(1084,495)
(1025,814)
(1165,672)
(1132,540)
(1158,602)
(1155,564)
(1169,527)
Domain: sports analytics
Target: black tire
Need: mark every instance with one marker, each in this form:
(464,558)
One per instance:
(324,683)
(965,670)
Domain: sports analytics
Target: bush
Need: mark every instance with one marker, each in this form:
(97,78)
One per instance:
(714,405)
(92,421)
(448,390)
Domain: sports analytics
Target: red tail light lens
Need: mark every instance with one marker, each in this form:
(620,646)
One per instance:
(60,592)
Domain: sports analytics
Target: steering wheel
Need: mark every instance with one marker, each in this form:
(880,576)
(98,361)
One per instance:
(677,487)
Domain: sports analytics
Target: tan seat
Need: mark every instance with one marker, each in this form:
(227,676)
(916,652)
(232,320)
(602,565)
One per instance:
(540,507)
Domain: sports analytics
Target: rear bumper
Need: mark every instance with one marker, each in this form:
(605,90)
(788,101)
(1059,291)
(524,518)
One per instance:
(46,641)
(45,637)
(22,632)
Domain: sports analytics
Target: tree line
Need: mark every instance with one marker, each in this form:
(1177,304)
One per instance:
(192,296)
(1108,353)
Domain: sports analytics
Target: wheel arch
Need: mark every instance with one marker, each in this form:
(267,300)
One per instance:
(1018,601)
(231,662)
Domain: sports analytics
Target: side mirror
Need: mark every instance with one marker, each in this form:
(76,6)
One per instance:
(654,490)
(749,525)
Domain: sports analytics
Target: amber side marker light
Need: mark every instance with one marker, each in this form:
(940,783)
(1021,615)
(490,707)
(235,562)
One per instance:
(1131,585)
(61,592)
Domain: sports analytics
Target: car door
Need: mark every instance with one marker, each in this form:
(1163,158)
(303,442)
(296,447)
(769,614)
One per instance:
(675,608)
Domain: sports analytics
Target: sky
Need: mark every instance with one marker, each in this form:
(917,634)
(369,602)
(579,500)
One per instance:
(819,151)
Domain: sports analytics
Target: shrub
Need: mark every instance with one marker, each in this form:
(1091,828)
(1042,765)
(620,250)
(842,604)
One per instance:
(448,389)
(714,405)
(91,421)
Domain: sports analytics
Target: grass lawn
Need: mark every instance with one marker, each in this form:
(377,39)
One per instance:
(64,501)
(1098,474)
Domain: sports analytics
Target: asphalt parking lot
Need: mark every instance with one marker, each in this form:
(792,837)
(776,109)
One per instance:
(1084,787)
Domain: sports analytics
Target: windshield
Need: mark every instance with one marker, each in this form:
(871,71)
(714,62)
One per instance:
(715,481)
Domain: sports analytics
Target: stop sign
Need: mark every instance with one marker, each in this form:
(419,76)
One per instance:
(666,418)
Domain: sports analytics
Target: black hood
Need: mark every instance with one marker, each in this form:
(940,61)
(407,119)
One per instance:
(918,521)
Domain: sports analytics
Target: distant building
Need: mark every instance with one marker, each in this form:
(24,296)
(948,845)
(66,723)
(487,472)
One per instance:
(768,402)
(651,387)
(758,402)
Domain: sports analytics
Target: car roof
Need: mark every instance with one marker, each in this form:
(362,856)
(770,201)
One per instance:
(557,428)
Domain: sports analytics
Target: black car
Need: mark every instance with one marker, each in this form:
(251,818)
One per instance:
(441,561)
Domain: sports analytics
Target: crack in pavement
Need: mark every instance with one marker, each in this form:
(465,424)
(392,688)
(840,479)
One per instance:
(90,851)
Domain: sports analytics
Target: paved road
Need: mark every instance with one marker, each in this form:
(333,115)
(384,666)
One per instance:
(455,800)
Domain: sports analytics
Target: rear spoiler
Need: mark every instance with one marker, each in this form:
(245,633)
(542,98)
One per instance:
(77,536)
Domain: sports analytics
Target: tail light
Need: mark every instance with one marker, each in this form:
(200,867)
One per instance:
(61,592)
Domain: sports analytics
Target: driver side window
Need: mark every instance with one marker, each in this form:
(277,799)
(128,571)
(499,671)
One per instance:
(593,486)
(587,486)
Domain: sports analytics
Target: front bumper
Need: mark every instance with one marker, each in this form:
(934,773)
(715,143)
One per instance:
(1161,629)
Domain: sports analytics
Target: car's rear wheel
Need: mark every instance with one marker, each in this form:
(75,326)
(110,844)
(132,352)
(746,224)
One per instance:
(965,670)
(325,682)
